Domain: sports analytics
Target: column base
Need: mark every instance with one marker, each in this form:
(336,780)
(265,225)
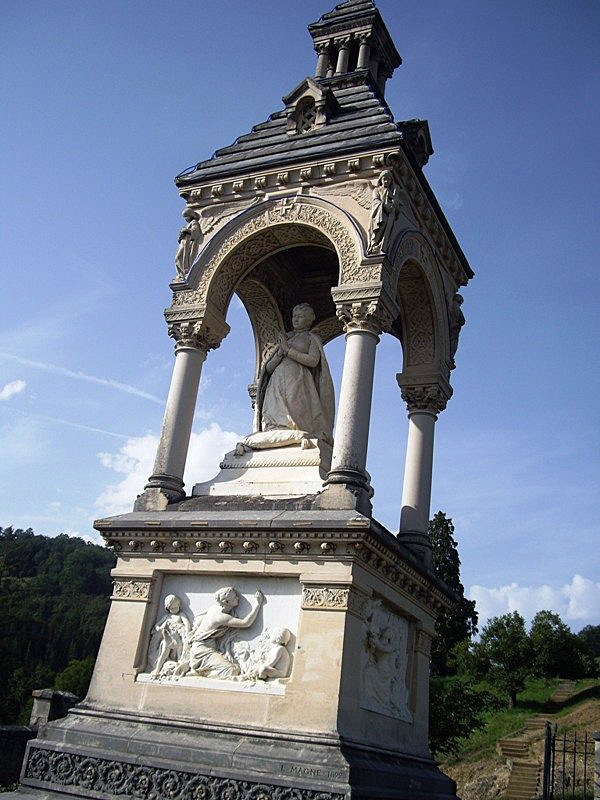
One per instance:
(159,492)
(94,753)
(418,543)
(346,489)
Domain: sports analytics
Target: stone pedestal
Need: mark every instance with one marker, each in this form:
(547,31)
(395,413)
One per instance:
(348,716)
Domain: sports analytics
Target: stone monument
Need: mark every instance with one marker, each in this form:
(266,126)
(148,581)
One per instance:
(268,638)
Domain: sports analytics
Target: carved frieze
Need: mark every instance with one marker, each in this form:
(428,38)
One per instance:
(333,598)
(112,778)
(350,544)
(132,589)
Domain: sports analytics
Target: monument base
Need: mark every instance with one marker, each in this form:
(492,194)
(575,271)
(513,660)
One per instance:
(108,755)
(291,471)
(253,654)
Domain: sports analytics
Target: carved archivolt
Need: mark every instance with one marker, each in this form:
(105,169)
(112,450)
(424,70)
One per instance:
(286,223)
(421,297)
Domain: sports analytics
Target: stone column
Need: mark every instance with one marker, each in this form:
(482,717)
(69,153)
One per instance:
(165,485)
(343,46)
(348,482)
(364,52)
(322,49)
(424,402)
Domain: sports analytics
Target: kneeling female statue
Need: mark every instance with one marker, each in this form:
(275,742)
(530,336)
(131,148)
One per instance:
(295,399)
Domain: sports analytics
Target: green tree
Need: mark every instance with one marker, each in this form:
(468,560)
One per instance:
(76,677)
(460,622)
(590,636)
(556,651)
(54,594)
(456,709)
(503,654)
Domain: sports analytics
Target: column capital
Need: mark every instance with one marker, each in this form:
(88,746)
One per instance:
(322,48)
(195,334)
(425,396)
(342,42)
(370,316)
(364,37)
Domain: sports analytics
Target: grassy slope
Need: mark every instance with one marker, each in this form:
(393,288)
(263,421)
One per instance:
(479,770)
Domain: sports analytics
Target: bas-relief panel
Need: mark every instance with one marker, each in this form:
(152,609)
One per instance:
(237,634)
(385,662)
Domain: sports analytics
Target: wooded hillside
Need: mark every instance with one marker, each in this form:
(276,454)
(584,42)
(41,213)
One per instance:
(54,595)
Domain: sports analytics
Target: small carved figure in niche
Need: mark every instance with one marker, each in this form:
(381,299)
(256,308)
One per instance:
(169,637)
(212,632)
(385,206)
(190,239)
(295,398)
(457,320)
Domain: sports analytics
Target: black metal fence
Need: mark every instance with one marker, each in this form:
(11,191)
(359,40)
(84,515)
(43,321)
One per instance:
(568,765)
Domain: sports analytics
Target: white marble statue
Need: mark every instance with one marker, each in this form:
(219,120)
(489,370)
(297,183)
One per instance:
(295,398)
(169,640)
(190,239)
(385,663)
(210,637)
(385,207)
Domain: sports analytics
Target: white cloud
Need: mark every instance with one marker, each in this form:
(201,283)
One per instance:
(135,460)
(12,388)
(576,602)
(82,376)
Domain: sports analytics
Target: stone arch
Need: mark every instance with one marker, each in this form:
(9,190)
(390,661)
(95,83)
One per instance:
(423,326)
(262,230)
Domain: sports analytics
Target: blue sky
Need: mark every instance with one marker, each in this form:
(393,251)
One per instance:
(105,102)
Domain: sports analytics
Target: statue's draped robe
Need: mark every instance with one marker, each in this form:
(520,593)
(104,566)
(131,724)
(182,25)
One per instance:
(298,395)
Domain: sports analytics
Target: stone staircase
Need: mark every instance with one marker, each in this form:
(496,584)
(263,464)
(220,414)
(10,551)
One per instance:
(524,780)
(563,692)
(525,774)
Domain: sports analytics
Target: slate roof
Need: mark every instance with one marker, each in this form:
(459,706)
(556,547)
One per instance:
(363,122)
(345,12)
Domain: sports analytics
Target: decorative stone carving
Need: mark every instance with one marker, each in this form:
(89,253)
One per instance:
(208,648)
(369,315)
(109,778)
(266,658)
(194,334)
(385,207)
(457,320)
(385,662)
(264,315)
(325,597)
(359,191)
(190,239)
(131,589)
(295,400)
(169,640)
(425,398)
(227,269)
